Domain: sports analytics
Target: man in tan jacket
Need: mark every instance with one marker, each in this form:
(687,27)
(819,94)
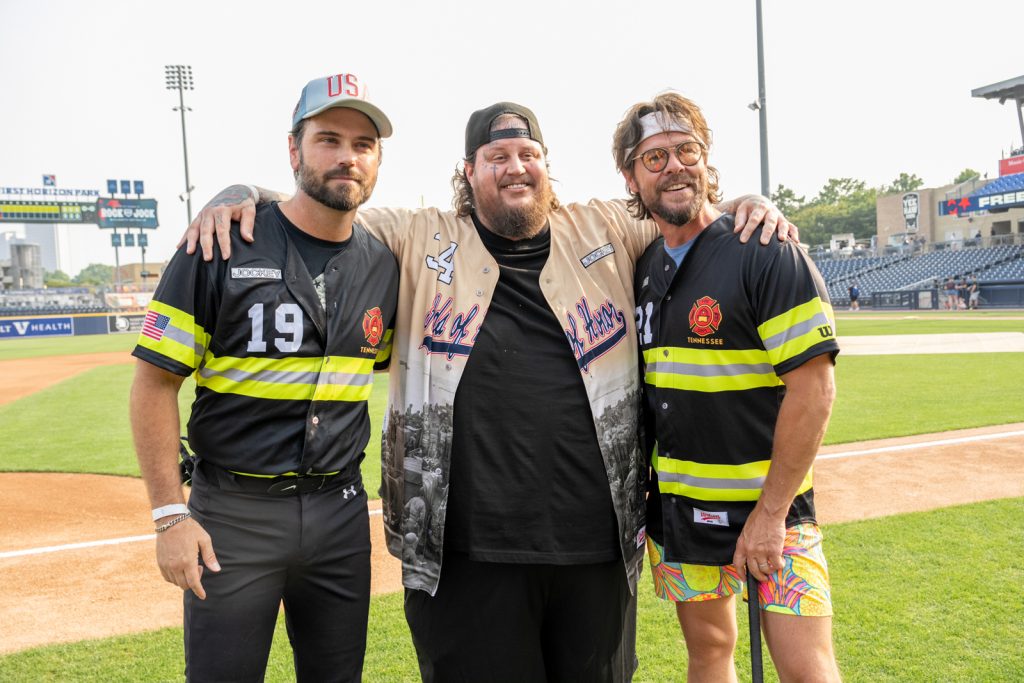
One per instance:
(511,437)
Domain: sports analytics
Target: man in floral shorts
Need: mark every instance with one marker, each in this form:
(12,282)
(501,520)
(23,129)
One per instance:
(738,349)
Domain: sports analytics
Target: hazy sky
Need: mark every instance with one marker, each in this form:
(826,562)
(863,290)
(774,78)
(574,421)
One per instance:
(863,89)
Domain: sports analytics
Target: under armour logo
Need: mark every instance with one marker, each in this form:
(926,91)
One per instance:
(443,263)
(350,491)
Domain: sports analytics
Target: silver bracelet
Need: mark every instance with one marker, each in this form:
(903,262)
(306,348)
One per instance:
(164,527)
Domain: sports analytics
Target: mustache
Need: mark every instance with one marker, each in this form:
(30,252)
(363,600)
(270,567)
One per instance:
(679,178)
(343,173)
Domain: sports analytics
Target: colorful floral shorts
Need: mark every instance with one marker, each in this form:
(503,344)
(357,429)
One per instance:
(801,587)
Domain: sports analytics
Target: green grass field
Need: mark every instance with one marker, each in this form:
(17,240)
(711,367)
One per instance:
(878,396)
(31,347)
(855,324)
(917,598)
(922,597)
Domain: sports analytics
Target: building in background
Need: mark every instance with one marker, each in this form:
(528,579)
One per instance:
(23,269)
(975,213)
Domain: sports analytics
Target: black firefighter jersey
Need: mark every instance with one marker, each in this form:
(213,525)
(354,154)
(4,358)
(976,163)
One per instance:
(281,379)
(715,335)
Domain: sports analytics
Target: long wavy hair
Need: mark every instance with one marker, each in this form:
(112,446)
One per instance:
(629,132)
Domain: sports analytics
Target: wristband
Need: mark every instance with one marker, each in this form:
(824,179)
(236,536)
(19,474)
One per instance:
(172,509)
(254,193)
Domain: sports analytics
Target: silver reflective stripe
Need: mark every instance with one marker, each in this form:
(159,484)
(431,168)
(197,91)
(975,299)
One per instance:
(798,330)
(347,379)
(290,377)
(712,483)
(179,335)
(270,376)
(694,370)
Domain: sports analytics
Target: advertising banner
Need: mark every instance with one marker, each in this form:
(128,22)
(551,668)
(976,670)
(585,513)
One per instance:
(911,210)
(126,213)
(1011,166)
(125,323)
(988,202)
(36,327)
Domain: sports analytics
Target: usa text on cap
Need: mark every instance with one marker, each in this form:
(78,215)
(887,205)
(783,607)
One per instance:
(339,90)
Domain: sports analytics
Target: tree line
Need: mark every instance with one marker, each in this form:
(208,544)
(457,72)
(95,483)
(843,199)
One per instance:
(845,205)
(94,275)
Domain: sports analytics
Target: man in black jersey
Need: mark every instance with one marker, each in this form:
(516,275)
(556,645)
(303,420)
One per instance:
(282,339)
(738,347)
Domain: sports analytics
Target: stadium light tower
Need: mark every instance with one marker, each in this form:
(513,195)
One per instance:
(1012,89)
(179,77)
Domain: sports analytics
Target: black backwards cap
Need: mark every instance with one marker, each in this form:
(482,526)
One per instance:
(478,130)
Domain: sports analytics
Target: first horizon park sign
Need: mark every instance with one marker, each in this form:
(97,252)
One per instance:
(38,192)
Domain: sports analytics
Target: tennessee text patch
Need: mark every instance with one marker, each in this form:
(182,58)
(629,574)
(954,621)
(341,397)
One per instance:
(597,254)
(255,274)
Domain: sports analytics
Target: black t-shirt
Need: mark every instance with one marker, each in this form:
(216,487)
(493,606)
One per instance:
(314,251)
(528,483)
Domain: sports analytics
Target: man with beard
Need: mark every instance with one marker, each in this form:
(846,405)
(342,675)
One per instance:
(738,348)
(283,337)
(504,449)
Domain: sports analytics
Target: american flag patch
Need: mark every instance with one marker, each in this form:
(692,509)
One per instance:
(154,325)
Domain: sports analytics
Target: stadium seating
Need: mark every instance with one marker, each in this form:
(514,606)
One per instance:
(999,263)
(56,301)
(1006,183)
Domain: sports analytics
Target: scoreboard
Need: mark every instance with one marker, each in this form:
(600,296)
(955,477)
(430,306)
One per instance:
(25,211)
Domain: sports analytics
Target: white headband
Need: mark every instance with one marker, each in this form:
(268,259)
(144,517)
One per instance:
(655,123)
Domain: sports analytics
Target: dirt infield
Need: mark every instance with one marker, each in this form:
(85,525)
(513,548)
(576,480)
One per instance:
(95,589)
(104,590)
(27,375)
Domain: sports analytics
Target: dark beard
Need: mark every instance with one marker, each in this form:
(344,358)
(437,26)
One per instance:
(342,198)
(682,216)
(522,222)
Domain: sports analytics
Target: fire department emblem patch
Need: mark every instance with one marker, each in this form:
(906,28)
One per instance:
(373,326)
(705,316)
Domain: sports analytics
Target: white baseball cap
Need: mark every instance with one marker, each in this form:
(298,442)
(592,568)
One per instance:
(339,90)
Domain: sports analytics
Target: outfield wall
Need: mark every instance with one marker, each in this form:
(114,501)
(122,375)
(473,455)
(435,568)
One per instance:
(70,325)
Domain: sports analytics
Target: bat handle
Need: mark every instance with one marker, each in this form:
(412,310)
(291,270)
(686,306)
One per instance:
(754,614)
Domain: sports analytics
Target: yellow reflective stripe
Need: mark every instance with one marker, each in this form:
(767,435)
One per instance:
(284,474)
(384,353)
(704,481)
(183,340)
(292,364)
(749,470)
(700,356)
(798,329)
(708,370)
(334,378)
(342,392)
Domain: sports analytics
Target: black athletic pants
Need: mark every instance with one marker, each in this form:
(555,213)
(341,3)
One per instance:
(521,622)
(311,550)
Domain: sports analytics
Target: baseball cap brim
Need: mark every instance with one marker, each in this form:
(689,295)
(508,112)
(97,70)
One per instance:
(379,119)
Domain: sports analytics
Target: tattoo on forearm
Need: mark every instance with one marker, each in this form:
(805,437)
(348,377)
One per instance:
(236,194)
